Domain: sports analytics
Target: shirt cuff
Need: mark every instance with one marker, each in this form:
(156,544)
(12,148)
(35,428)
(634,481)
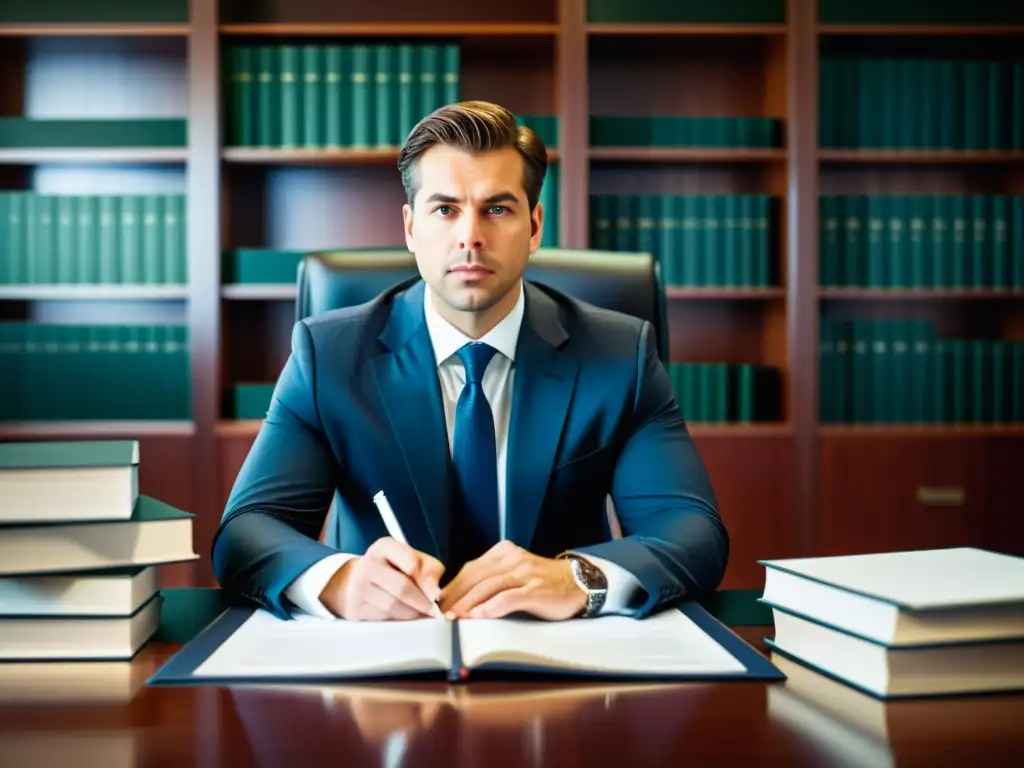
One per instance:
(622,586)
(304,592)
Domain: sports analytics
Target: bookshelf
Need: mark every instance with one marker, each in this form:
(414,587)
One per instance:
(704,138)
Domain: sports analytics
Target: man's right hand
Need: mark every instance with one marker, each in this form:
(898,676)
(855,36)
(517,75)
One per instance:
(392,581)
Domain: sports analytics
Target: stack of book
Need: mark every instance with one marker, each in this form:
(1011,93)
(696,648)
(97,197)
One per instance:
(903,624)
(79,550)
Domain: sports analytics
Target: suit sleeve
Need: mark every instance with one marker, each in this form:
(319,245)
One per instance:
(268,533)
(674,541)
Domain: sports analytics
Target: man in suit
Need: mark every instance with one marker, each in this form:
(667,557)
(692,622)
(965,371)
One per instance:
(496,416)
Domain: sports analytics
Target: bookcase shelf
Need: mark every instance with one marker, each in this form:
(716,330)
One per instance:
(95,30)
(693,140)
(917,156)
(687,30)
(258,291)
(660,155)
(37,430)
(93,155)
(925,30)
(391,29)
(921,430)
(314,157)
(682,293)
(924,294)
(93,292)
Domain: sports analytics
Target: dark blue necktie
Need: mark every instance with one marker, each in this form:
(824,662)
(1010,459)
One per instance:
(474,457)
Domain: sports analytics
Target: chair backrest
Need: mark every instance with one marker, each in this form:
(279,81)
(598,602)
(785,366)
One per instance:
(624,282)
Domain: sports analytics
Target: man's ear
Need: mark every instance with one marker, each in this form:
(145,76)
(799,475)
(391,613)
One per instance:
(536,227)
(410,239)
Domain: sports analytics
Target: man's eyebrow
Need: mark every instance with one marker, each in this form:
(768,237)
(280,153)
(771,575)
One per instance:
(500,197)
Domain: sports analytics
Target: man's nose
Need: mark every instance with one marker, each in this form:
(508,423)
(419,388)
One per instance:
(470,233)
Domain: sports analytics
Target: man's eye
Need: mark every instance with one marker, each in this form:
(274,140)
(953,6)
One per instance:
(444,210)
(498,209)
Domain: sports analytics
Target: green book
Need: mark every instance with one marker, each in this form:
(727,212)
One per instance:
(153,256)
(385,90)
(337,103)
(243,96)
(408,91)
(290,91)
(131,240)
(314,96)
(109,254)
(362,114)
(66,225)
(1000,276)
(430,77)
(958,271)
(87,239)
(452,75)
(268,103)
(878,216)
(15,239)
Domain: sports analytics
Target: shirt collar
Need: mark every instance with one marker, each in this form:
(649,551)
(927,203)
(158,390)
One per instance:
(447,339)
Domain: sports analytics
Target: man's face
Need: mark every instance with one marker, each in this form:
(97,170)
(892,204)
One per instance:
(471,227)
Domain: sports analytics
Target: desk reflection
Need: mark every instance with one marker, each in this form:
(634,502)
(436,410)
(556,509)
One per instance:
(845,727)
(466,725)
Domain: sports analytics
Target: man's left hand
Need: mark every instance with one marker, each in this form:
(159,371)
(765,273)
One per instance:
(508,579)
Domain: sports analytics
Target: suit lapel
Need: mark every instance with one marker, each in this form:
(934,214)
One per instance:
(544,383)
(410,394)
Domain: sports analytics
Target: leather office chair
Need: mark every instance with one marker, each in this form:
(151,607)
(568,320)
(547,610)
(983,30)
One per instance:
(625,282)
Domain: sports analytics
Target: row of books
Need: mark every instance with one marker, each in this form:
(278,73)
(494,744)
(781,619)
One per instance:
(892,625)
(922,241)
(726,393)
(901,371)
(84,371)
(93,239)
(695,11)
(705,131)
(93,132)
(80,549)
(906,103)
(699,240)
(335,95)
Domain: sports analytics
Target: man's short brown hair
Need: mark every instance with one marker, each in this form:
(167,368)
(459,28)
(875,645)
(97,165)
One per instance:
(475,126)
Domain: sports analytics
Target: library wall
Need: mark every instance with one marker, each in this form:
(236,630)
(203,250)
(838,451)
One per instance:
(835,197)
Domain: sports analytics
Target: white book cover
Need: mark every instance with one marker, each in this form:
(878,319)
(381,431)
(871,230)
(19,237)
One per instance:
(918,579)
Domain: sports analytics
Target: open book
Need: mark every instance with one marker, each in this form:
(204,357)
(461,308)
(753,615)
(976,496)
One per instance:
(246,644)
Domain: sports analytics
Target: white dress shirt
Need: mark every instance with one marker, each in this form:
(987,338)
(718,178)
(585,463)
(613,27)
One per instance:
(497,382)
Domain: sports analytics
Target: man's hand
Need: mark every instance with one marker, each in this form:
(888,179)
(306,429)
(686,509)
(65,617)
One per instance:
(507,579)
(392,581)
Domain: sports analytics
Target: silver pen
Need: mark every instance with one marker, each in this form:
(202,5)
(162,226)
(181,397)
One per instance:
(395,532)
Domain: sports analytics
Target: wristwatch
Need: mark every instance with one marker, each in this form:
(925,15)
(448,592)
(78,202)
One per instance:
(590,579)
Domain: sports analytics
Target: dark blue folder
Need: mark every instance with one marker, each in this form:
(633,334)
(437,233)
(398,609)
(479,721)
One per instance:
(180,669)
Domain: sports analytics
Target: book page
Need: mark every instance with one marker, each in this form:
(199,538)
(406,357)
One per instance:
(668,642)
(308,646)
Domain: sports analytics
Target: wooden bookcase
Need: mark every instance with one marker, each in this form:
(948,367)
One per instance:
(791,486)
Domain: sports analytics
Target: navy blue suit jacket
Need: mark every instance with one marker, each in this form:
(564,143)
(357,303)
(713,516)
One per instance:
(357,409)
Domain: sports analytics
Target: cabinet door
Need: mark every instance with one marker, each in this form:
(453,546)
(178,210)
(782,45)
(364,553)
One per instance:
(753,481)
(1005,514)
(887,493)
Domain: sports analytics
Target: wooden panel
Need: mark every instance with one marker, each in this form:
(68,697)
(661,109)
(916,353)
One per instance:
(518,74)
(753,481)
(232,451)
(661,76)
(867,178)
(13,56)
(257,340)
(888,493)
(165,473)
(233,11)
(949,318)
(1005,512)
(727,331)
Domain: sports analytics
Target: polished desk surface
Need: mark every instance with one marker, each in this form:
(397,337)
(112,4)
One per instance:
(104,715)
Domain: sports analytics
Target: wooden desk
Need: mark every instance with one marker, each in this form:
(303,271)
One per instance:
(490,725)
